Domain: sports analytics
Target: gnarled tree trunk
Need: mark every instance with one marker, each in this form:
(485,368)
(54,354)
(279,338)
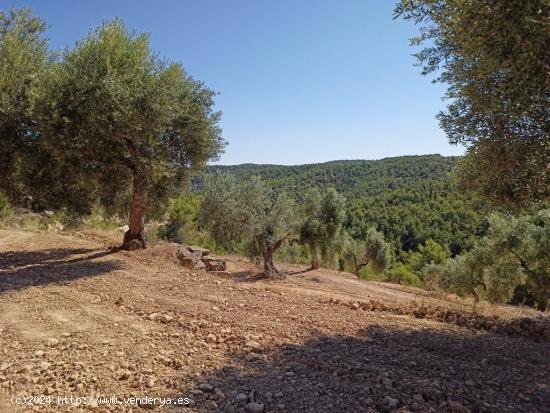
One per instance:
(134,238)
(314,257)
(358,266)
(267,255)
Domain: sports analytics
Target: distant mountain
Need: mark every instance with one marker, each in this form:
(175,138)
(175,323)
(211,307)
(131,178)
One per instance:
(350,177)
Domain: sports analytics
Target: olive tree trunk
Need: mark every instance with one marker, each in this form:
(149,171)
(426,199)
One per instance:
(267,252)
(358,265)
(134,238)
(314,257)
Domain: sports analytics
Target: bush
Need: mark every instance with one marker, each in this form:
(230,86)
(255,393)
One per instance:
(400,274)
(97,219)
(4,206)
(182,225)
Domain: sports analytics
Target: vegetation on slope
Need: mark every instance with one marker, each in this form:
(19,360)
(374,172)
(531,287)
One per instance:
(410,199)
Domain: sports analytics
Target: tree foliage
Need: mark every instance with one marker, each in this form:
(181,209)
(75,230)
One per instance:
(429,253)
(114,116)
(373,251)
(410,199)
(247,211)
(522,244)
(514,253)
(322,219)
(400,274)
(494,57)
(23,59)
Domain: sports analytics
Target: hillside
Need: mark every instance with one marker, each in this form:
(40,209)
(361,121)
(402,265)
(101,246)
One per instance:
(79,319)
(354,178)
(409,198)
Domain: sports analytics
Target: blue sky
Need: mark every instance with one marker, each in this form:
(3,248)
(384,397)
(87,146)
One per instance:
(299,81)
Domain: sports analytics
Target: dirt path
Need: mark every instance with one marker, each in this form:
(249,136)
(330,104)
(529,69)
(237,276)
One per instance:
(78,320)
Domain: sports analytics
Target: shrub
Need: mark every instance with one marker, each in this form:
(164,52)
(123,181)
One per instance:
(4,206)
(400,274)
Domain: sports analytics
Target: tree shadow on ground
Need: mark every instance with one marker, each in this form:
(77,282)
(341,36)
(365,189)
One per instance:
(301,272)
(22,269)
(248,276)
(424,370)
(256,275)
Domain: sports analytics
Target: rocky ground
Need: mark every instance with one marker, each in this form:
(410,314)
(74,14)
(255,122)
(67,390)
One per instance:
(77,319)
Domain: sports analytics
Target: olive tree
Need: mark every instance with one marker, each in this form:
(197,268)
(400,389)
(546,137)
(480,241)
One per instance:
(23,59)
(373,250)
(513,253)
(323,216)
(522,244)
(127,122)
(494,58)
(247,211)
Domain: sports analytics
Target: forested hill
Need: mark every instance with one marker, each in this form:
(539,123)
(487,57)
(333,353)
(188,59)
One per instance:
(409,198)
(354,178)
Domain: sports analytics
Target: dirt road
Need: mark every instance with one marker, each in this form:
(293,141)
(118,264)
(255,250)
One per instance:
(79,320)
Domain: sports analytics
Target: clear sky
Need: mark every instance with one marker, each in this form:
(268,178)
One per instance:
(299,81)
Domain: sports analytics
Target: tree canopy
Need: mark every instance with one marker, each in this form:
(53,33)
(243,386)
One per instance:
(410,199)
(23,59)
(494,56)
(111,122)
(247,211)
(322,219)
(373,251)
(513,253)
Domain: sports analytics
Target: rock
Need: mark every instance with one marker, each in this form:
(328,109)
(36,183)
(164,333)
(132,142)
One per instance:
(52,342)
(457,407)
(202,251)
(253,345)
(241,398)
(122,374)
(206,387)
(5,366)
(211,338)
(187,258)
(218,394)
(368,401)
(48,213)
(123,229)
(390,403)
(39,353)
(229,408)
(45,365)
(163,318)
(214,264)
(420,312)
(254,408)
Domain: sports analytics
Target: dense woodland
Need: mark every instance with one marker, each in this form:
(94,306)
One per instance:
(410,199)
